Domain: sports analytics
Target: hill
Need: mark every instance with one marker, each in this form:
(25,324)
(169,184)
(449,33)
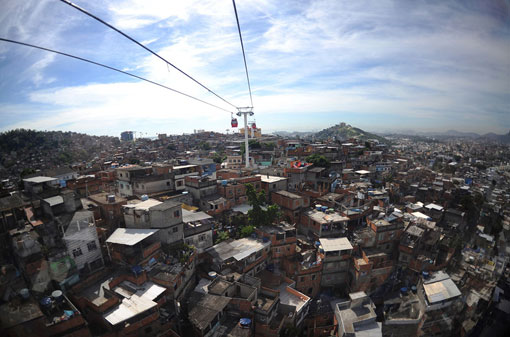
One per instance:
(344,131)
(23,149)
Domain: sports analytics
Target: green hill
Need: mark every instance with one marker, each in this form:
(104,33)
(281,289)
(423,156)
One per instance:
(344,131)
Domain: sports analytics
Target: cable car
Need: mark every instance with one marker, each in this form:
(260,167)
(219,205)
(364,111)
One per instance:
(254,126)
(234,122)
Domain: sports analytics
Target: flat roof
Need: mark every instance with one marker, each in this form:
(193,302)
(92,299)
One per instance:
(270,179)
(40,179)
(362,172)
(323,218)
(420,215)
(292,297)
(238,249)
(56,200)
(149,290)
(189,216)
(289,194)
(441,291)
(183,166)
(434,206)
(130,307)
(130,236)
(144,205)
(334,244)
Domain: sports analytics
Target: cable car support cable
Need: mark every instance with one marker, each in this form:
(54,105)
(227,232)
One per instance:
(114,69)
(148,49)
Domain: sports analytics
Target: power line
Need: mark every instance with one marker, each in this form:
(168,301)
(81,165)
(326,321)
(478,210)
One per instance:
(242,47)
(144,47)
(114,69)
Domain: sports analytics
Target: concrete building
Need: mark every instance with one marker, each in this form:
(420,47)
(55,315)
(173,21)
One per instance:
(82,243)
(357,317)
(337,256)
(165,216)
(245,256)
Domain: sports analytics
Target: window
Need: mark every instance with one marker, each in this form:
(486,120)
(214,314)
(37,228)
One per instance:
(77,252)
(92,246)
(175,229)
(176,214)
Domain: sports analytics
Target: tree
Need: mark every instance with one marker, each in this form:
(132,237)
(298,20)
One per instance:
(246,231)
(257,215)
(222,236)
(318,160)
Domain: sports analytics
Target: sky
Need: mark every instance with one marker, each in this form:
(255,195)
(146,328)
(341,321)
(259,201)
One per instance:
(378,65)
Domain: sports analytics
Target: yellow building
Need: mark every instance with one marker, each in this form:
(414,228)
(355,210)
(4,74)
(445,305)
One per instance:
(252,133)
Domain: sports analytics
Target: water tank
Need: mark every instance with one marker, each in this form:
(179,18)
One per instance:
(46,302)
(57,296)
(245,322)
(24,293)
(145,197)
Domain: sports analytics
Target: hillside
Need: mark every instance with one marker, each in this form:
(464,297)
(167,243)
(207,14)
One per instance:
(344,131)
(22,149)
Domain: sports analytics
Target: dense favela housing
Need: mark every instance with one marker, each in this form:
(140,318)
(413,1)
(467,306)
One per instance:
(316,236)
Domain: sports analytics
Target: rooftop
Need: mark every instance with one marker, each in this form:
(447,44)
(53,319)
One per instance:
(270,179)
(440,287)
(130,236)
(335,244)
(56,200)
(206,308)
(39,180)
(324,218)
(238,249)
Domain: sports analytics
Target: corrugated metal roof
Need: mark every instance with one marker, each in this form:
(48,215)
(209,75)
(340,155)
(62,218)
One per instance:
(130,236)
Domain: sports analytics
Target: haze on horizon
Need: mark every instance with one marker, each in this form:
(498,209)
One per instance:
(380,66)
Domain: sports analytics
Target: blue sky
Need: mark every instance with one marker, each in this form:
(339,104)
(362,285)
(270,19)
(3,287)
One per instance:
(379,65)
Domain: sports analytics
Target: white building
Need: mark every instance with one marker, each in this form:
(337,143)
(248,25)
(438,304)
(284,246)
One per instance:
(82,243)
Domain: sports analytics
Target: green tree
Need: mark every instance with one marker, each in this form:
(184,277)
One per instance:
(318,160)
(222,236)
(257,215)
(246,231)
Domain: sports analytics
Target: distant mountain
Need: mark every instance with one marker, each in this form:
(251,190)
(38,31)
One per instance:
(497,138)
(344,131)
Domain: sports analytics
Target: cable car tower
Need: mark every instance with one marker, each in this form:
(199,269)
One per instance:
(245,111)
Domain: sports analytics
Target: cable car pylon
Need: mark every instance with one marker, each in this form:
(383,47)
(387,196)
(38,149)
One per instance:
(245,111)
